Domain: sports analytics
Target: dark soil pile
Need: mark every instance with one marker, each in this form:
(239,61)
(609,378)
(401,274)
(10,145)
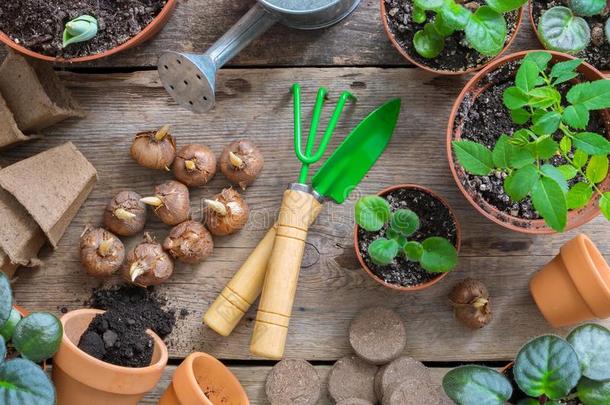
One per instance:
(598,56)
(39,24)
(435,220)
(457,55)
(119,336)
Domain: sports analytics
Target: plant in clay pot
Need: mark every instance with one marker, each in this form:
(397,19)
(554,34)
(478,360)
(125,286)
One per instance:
(406,237)
(579,27)
(25,341)
(547,370)
(451,37)
(544,164)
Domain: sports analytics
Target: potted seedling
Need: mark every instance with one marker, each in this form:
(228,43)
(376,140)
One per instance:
(448,36)
(548,370)
(542,167)
(25,340)
(579,27)
(406,237)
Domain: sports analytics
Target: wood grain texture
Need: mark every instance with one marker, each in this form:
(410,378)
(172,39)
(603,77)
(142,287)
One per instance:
(359,40)
(256,103)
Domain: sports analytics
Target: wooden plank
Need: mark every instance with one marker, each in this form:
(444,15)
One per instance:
(333,289)
(357,41)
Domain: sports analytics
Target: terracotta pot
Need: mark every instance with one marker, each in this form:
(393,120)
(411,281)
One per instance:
(147,33)
(471,91)
(412,60)
(574,286)
(202,380)
(429,283)
(82,379)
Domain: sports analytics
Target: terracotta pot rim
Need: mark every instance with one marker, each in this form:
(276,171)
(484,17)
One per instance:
(155,25)
(538,227)
(428,283)
(589,249)
(412,60)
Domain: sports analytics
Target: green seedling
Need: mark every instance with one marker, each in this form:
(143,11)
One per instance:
(485,27)
(564,29)
(551,127)
(80,29)
(23,343)
(434,254)
(548,370)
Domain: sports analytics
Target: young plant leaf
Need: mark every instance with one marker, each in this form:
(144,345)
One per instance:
(6,330)
(604,205)
(521,157)
(413,250)
(593,95)
(438,256)
(2,350)
(580,158)
(579,195)
(592,143)
(383,251)
(441,26)
(567,171)
(520,182)
(80,29)
(455,15)
(418,15)
(372,212)
(560,30)
(428,42)
(544,147)
(520,116)
(565,145)
(23,382)
(560,69)
(504,6)
(472,384)
(576,116)
(514,98)
(475,158)
(429,4)
(541,59)
(405,222)
(543,97)
(38,336)
(547,365)
(592,345)
(527,75)
(593,392)
(554,173)
(546,123)
(549,200)
(597,169)
(587,8)
(502,152)
(486,31)
(6,298)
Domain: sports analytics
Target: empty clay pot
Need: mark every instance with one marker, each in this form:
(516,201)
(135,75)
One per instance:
(202,380)
(574,286)
(82,379)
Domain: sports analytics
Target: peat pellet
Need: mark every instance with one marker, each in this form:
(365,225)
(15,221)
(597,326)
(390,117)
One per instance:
(293,381)
(401,369)
(354,401)
(352,377)
(411,392)
(378,335)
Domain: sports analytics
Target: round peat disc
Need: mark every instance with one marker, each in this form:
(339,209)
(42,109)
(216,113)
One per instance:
(293,381)
(354,401)
(352,377)
(403,368)
(411,392)
(378,335)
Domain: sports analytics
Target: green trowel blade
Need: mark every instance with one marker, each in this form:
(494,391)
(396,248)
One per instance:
(352,160)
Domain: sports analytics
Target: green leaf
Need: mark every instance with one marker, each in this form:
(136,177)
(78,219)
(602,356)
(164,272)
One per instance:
(541,58)
(413,250)
(543,97)
(580,158)
(502,152)
(23,383)
(607,28)
(593,392)
(429,4)
(576,116)
(418,15)
(592,95)
(486,31)
(544,147)
(587,8)
(520,182)
(547,365)
(504,6)
(531,401)
(38,336)
(551,171)
(6,298)
(427,42)
(604,205)
(550,201)
(383,251)
(566,77)
(2,350)
(80,29)
(455,15)
(527,75)
(567,171)
(475,158)
(597,169)
(565,145)
(439,255)
(372,212)
(592,143)
(579,195)
(405,222)
(441,26)
(521,157)
(522,137)
(519,116)
(472,384)
(561,68)
(560,30)
(7,329)
(592,345)
(514,98)
(546,123)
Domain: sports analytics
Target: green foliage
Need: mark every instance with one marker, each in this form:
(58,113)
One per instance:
(587,8)
(485,29)
(592,392)
(80,29)
(38,336)
(551,127)
(434,254)
(472,384)
(7,329)
(592,345)
(24,383)
(6,298)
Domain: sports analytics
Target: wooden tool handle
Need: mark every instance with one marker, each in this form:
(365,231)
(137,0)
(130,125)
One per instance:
(299,209)
(242,290)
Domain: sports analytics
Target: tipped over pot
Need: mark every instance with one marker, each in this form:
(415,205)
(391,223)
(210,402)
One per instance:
(82,379)
(203,380)
(575,286)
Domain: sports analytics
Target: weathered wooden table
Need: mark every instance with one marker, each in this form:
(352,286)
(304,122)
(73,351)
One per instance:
(122,96)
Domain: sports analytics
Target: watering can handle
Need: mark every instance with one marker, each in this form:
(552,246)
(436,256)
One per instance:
(254,23)
(298,211)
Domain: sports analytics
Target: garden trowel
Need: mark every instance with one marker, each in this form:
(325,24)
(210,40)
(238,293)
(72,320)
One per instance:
(337,177)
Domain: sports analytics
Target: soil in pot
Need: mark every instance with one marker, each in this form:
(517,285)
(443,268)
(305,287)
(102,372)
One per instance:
(39,24)
(457,55)
(484,120)
(596,55)
(435,220)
